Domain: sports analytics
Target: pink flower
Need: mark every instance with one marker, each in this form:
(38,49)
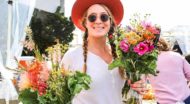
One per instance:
(149,27)
(124,46)
(141,48)
(42,86)
(24,81)
(150,48)
(44,73)
(150,45)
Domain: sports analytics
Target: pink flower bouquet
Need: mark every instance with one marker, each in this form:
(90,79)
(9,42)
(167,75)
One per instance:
(136,52)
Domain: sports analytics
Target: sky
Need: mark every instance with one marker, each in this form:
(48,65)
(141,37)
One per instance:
(166,13)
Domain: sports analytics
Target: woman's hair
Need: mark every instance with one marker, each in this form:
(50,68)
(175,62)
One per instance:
(162,45)
(110,32)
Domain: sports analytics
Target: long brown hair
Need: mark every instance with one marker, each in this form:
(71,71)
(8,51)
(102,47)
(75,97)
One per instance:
(163,45)
(111,32)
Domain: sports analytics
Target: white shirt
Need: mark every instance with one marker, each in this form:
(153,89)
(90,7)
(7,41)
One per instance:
(106,85)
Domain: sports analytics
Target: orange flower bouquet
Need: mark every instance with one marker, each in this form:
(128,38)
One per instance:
(41,84)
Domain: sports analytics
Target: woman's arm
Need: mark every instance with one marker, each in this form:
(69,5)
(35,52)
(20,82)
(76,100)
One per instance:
(186,68)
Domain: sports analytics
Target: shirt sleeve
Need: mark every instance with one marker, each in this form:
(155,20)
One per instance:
(186,69)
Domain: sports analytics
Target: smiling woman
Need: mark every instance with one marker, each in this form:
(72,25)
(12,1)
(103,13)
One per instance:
(97,19)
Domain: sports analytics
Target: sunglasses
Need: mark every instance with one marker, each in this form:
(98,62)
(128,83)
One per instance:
(103,17)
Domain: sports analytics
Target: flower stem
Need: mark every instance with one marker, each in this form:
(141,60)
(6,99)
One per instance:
(133,63)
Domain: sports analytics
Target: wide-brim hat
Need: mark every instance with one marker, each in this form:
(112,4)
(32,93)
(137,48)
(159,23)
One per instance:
(80,7)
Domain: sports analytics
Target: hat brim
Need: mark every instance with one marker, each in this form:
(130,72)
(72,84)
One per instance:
(80,6)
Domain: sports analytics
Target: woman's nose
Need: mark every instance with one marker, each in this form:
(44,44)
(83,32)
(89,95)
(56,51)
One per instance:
(98,20)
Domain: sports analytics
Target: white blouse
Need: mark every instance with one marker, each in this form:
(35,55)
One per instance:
(106,85)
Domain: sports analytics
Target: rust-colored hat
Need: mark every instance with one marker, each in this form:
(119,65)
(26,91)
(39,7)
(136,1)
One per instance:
(80,7)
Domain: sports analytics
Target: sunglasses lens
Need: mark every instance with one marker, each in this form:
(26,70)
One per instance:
(92,18)
(104,17)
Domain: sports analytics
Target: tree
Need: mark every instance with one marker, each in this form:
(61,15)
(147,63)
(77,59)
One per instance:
(50,28)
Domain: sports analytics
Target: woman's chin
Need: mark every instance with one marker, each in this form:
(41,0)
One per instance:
(98,35)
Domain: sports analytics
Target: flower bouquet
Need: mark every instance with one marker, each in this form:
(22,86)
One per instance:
(39,85)
(43,83)
(136,54)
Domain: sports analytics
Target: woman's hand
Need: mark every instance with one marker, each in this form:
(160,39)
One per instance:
(138,86)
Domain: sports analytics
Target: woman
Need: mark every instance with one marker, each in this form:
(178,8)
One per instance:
(171,83)
(97,18)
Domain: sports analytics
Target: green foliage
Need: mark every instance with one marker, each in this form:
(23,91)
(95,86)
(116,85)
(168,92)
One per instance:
(57,91)
(145,64)
(77,82)
(64,86)
(28,96)
(50,28)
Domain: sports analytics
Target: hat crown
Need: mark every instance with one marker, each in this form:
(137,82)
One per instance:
(81,6)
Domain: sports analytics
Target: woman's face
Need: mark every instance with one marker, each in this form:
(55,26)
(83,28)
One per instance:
(97,21)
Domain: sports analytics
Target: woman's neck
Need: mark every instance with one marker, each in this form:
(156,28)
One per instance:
(100,48)
(97,44)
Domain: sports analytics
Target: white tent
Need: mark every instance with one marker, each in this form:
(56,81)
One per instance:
(15,18)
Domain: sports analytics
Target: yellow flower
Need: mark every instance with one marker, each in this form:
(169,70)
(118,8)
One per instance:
(65,72)
(139,28)
(132,38)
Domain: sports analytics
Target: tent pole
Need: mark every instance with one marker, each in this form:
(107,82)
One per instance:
(9,31)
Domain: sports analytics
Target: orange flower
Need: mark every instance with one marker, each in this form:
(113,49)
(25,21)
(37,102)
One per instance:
(34,72)
(150,94)
(35,66)
(22,64)
(24,82)
(148,35)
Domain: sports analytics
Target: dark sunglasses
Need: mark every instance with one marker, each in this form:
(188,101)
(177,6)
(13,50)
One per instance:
(103,17)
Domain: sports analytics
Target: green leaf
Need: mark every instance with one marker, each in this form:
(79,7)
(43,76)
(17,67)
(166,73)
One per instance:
(28,96)
(78,82)
(114,64)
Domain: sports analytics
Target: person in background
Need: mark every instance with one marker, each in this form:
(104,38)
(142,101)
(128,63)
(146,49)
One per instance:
(177,48)
(187,57)
(97,19)
(170,85)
